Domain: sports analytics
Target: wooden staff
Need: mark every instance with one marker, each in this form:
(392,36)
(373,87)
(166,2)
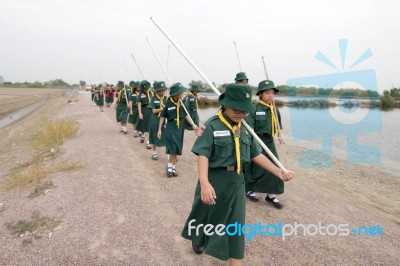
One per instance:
(237,55)
(137,66)
(218,93)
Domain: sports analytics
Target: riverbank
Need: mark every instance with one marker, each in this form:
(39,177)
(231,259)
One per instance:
(130,213)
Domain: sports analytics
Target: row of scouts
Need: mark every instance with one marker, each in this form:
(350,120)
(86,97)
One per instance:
(231,163)
(99,94)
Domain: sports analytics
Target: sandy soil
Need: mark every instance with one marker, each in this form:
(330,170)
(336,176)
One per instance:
(120,209)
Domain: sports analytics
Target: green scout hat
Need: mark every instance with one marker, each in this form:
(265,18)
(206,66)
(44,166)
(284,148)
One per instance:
(266,85)
(145,85)
(121,84)
(176,89)
(237,96)
(137,84)
(160,86)
(195,87)
(241,76)
(132,84)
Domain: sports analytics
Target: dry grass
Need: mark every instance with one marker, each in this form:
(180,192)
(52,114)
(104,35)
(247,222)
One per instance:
(50,136)
(53,133)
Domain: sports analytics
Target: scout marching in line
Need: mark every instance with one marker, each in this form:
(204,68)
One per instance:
(232,166)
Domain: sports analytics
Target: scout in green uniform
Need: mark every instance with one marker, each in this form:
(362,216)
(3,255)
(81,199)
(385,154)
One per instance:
(191,103)
(266,124)
(93,94)
(175,115)
(100,97)
(222,147)
(157,104)
(144,110)
(241,78)
(121,106)
(133,107)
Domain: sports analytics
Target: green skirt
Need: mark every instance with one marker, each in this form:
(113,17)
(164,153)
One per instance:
(154,122)
(100,100)
(259,180)
(133,118)
(143,125)
(122,112)
(174,137)
(230,207)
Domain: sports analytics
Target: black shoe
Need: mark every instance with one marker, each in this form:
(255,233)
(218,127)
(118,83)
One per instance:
(251,196)
(148,146)
(197,249)
(142,140)
(274,201)
(126,132)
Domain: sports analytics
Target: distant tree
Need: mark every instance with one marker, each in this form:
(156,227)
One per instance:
(82,83)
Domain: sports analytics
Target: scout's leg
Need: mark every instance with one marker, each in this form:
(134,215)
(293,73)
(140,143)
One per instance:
(235,262)
(154,156)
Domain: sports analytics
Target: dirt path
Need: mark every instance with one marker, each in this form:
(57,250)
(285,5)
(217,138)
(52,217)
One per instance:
(120,209)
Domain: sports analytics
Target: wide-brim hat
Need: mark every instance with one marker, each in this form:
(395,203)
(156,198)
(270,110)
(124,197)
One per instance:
(238,97)
(145,85)
(176,89)
(195,87)
(132,83)
(266,85)
(241,76)
(120,84)
(160,86)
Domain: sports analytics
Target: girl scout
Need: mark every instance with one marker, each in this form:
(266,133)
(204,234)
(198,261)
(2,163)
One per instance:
(192,105)
(100,97)
(121,106)
(174,114)
(144,110)
(133,108)
(222,147)
(265,121)
(156,104)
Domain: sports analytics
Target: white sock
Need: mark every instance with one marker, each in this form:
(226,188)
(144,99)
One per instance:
(173,166)
(154,152)
(271,196)
(169,165)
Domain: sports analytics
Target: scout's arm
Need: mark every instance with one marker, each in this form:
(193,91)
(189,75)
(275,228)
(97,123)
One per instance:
(139,105)
(281,137)
(208,195)
(160,125)
(266,164)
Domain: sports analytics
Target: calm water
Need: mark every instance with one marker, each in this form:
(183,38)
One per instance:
(366,136)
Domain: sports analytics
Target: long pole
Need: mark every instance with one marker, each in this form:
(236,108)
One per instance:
(137,66)
(218,93)
(237,55)
(273,105)
(170,82)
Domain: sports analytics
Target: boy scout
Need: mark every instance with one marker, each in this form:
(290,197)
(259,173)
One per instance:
(265,124)
(191,103)
(121,106)
(156,104)
(174,114)
(144,110)
(222,147)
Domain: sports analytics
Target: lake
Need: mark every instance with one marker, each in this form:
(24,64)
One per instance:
(366,136)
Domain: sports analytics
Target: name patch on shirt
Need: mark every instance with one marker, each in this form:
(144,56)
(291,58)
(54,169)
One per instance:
(156,101)
(260,113)
(143,96)
(171,108)
(191,99)
(222,133)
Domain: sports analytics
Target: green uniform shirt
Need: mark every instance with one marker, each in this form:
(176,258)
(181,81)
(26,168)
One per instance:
(169,112)
(155,102)
(134,99)
(144,99)
(260,119)
(216,143)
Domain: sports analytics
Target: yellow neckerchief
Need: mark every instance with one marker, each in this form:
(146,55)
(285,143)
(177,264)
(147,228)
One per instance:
(101,91)
(236,136)
(120,94)
(273,117)
(161,103)
(148,94)
(177,104)
(197,104)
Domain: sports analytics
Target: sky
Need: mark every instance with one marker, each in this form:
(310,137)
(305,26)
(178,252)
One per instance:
(94,40)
